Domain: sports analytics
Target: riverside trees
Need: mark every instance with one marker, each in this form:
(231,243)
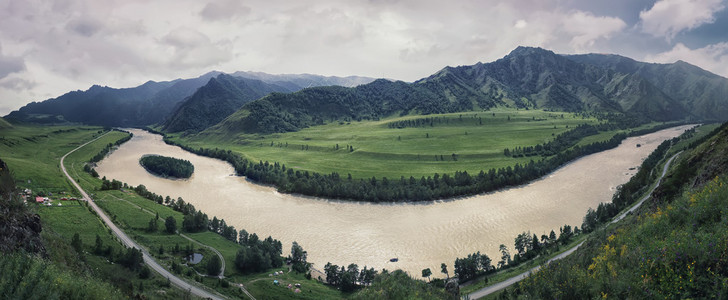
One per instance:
(167,166)
(438,186)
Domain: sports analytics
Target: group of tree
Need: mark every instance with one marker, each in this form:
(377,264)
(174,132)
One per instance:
(109,185)
(131,257)
(527,246)
(560,143)
(298,259)
(432,121)
(99,156)
(399,285)
(167,166)
(257,255)
(348,278)
(473,265)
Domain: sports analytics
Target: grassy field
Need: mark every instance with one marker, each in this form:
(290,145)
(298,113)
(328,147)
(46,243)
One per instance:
(33,154)
(476,139)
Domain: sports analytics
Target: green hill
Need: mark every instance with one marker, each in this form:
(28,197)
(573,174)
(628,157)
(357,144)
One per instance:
(4,124)
(27,273)
(675,246)
(525,78)
(702,92)
(211,103)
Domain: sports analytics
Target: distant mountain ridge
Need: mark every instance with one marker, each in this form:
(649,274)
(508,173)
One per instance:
(217,99)
(704,93)
(525,78)
(150,103)
(145,104)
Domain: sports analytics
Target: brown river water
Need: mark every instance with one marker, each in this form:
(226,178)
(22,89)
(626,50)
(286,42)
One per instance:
(421,235)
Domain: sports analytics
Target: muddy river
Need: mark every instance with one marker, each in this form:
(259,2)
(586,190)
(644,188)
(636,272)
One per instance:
(421,235)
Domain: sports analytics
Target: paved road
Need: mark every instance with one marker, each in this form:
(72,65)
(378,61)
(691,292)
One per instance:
(222,259)
(130,243)
(508,282)
(664,171)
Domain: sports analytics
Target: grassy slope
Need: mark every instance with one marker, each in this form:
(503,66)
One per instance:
(674,248)
(33,153)
(385,152)
(501,275)
(4,124)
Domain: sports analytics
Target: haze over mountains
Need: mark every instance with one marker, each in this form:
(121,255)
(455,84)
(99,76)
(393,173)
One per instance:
(153,102)
(525,78)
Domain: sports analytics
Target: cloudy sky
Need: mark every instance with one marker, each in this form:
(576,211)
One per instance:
(49,47)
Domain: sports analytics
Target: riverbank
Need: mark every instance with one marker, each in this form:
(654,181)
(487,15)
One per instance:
(490,169)
(421,235)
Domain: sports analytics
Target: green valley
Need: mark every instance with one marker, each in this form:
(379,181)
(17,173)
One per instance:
(442,143)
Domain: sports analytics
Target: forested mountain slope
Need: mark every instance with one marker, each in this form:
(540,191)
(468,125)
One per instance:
(220,97)
(142,105)
(525,78)
(701,92)
(152,102)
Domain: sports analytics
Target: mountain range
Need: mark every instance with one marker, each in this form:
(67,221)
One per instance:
(156,102)
(527,77)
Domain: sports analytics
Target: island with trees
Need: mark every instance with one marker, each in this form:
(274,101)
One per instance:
(168,167)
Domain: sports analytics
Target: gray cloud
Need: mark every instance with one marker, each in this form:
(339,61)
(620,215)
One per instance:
(667,18)
(223,10)
(712,57)
(17,84)
(10,65)
(85,26)
(73,44)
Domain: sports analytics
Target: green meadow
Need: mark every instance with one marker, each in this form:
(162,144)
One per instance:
(33,154)
(451,142)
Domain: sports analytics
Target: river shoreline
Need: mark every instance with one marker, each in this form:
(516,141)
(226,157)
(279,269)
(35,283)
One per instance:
(421,234)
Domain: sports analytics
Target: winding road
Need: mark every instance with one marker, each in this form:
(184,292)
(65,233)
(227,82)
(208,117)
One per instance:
(508,282)
(182,284)
(221,275)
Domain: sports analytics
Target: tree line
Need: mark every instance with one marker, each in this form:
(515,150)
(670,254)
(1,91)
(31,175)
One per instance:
(432,121)
(383,189)
(348,278)
(99,156)
(527,246)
